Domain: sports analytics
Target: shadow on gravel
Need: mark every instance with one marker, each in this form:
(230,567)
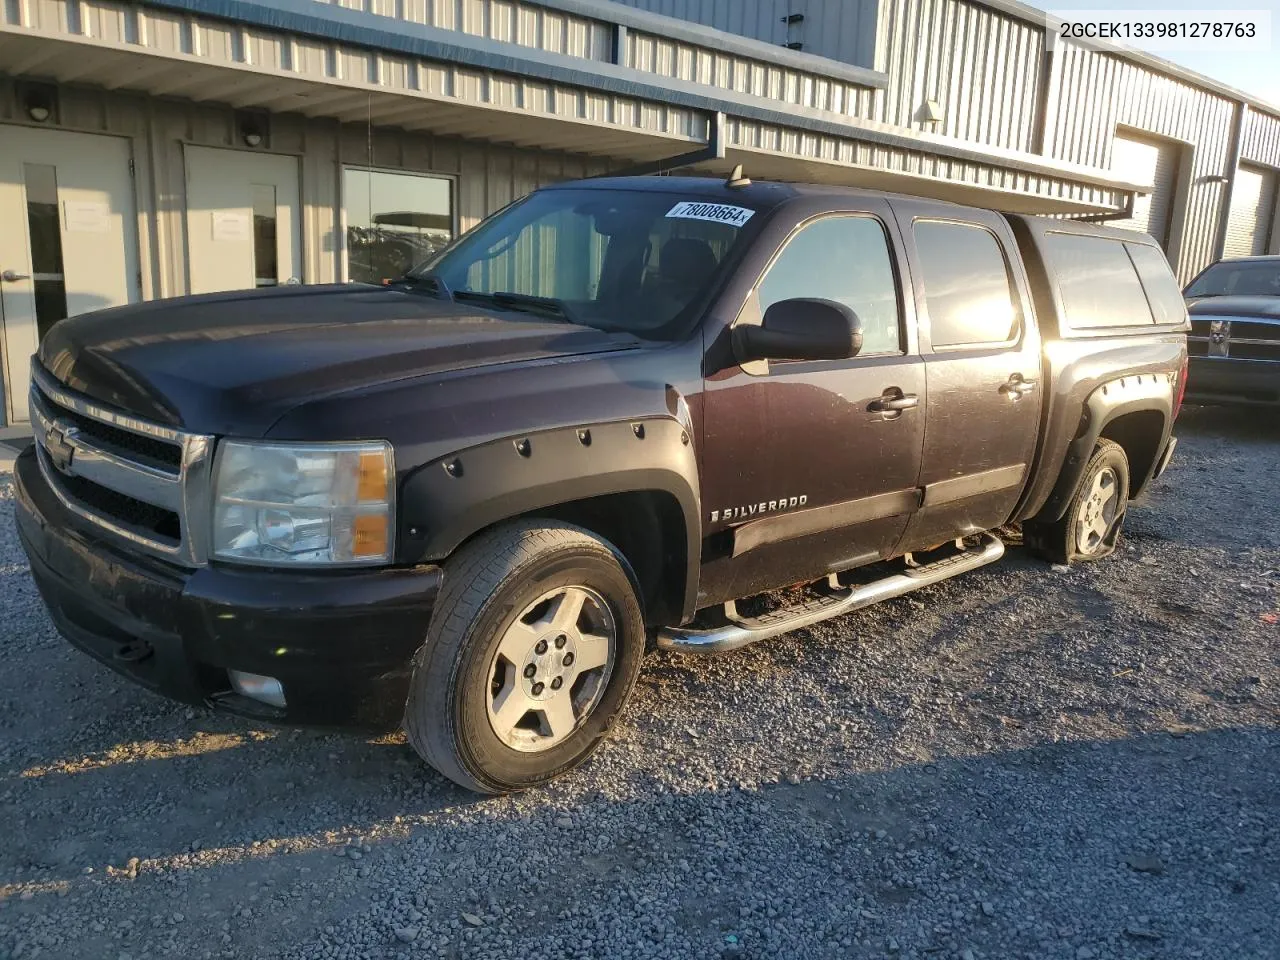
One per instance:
(1235,423)
(1158,821)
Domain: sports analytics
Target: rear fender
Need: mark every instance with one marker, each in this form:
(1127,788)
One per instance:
(1137,393)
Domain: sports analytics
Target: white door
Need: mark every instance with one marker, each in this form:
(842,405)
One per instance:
(1154,161)
(1253,209)
(68,239)
(242,219)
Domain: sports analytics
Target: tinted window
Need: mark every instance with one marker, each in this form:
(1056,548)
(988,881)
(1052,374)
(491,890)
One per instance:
(1097,280)
(1157,279)
(1247,278)
(966,284)
(615,259)
(845,259)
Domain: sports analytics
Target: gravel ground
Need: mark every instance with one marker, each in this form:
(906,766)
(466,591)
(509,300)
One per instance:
(1022,762)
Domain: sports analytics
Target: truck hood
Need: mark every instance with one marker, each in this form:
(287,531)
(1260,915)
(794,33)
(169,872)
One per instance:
(234,363)
(1266,307)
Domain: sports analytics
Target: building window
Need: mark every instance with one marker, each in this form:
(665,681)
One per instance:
(46,245)
(394,220)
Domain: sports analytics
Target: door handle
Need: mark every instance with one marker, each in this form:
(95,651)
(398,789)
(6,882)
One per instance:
(10,276)
(894,402)
(1017,387)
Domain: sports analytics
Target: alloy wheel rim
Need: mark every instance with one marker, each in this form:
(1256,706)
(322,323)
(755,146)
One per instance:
(551,669)
(1098,514)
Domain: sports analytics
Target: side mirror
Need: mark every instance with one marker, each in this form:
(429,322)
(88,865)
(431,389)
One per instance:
(801,329)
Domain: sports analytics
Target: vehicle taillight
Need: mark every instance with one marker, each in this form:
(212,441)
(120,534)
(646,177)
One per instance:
(1180,389)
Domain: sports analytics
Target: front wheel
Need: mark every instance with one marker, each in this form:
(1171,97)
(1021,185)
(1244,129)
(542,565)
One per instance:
(1090,528)
(532,652)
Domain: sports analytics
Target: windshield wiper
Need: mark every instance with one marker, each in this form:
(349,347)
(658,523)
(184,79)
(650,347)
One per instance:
(522,302)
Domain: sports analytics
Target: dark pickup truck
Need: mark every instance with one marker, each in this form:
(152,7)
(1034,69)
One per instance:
(1235,333)
(469,499)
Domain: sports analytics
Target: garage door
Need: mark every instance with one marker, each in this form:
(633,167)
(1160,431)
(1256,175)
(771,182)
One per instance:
(1147,160)
(1253,210)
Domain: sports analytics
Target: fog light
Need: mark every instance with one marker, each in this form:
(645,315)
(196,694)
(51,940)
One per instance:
(257,687)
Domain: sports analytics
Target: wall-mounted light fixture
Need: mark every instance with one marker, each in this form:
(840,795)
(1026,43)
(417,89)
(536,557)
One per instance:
(252,128)
(39,102)
(929,112)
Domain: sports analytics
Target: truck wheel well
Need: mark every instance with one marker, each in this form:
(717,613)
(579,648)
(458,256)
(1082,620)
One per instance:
(1139,433)
(630,521)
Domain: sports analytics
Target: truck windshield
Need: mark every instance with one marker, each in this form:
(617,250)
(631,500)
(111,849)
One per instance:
(615,259)
(1240,278)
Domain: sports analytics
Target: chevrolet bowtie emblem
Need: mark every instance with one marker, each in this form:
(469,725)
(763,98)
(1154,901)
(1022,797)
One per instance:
(59,449)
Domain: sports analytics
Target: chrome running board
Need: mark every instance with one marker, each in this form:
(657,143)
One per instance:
(744,630)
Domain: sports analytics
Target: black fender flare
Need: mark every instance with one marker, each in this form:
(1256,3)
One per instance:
(1134,393)
(447,501)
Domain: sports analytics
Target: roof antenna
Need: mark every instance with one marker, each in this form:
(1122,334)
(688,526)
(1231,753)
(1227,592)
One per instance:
(736,180)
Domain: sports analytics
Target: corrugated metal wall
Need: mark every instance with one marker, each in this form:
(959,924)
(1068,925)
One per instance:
(982,68)
(758,19)
(1260,142)
(487,176)
(1099,91)
(842,31)
(839,29)
(525,24)
(651,53)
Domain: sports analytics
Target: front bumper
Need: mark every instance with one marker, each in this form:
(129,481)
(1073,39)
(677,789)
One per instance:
(340,642)
(1224,380)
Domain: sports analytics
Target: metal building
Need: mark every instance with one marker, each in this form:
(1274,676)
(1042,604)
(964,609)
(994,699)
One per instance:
(162,147)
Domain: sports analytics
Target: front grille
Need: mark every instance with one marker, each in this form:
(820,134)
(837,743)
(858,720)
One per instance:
(147,449)
(132,480)
(124,509)
(1234,338)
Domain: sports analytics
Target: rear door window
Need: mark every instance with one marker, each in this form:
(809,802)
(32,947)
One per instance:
(967,287)
(1167,305)
(1097,281)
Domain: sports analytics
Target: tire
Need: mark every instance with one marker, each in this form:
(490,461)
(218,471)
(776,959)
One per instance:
(503,634)
(1090,529)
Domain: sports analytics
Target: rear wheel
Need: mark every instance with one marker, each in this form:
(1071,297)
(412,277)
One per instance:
(532,652)
(1090,528)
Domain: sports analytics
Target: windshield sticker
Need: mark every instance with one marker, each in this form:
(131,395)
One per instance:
(717,212)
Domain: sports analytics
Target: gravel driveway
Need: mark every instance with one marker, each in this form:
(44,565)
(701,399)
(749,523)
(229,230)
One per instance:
(1022,762)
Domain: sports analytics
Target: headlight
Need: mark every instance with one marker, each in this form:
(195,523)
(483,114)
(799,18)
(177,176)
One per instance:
(327,503)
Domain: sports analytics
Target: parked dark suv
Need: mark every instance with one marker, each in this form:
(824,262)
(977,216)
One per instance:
(467,500)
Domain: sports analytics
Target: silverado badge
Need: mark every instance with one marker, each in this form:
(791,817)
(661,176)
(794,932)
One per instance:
(754,509)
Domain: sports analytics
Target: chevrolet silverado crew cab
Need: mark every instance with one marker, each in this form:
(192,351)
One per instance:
(466,501)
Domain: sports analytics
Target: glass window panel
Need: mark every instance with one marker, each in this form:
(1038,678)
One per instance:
(266,253)
(1097,281)
(394,221)
(845,259)
(966,284)
(1167,305)
(42,218)
(1240,278)
(45,233)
